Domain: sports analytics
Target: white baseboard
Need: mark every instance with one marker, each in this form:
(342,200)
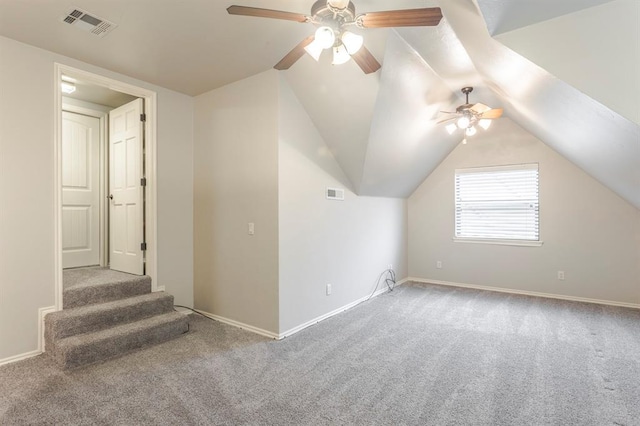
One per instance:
(526,293)
(41,313)
(300,327)
(20,357)
(239,324)
(336,311)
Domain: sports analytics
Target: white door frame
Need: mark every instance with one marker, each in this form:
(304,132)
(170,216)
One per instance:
(150,106)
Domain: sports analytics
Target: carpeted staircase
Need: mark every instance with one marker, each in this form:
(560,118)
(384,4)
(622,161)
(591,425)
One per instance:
(108,313)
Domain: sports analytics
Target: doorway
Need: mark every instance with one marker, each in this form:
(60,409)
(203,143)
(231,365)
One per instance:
(85,176)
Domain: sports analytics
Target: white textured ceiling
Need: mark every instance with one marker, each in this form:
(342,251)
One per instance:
(380,127)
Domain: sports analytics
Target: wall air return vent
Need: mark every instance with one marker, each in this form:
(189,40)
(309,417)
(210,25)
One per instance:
(88,22)
(335,194)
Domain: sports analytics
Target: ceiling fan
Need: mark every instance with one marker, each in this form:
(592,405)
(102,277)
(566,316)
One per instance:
(333,19)
(468,115)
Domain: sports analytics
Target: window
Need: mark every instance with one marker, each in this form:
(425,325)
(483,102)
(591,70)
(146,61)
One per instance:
(498,204)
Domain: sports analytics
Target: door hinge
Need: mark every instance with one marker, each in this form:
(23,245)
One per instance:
(143,117)
(143,246)
(143,181)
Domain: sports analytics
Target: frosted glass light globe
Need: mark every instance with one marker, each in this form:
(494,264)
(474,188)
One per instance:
(463,122)
(325,37)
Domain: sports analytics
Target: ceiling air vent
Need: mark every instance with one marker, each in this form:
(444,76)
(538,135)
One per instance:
(335,194)
(91,23)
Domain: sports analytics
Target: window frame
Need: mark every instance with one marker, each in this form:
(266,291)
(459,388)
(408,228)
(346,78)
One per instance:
(497,241)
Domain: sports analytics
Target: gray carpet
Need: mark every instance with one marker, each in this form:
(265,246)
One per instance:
(106,314)
(84,286)
(92,276)
(421,355)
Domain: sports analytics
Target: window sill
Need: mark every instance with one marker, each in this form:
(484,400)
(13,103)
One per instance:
(522,243)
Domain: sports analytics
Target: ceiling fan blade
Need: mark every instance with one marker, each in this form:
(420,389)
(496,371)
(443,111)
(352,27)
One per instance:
(295,54)
(426,17)
(480,108)
(366,61)
(446,119)
(448,112)
(492,113)
(266,13)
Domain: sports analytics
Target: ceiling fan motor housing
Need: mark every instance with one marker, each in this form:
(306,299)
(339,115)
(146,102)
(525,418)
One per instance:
(323,14)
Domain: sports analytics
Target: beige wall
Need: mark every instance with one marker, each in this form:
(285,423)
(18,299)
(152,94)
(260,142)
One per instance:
(588,231)
(236,182)
(27,190)
(343,243)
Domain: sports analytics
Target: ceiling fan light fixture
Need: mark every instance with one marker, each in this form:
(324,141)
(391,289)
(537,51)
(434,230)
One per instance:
(463,122)
(485,123)
(325,37)
(353,42)
(471,131)
(314,49)
(340,55)
(451,128)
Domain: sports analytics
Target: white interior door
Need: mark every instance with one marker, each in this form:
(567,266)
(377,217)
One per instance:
(80,190)
(126,208)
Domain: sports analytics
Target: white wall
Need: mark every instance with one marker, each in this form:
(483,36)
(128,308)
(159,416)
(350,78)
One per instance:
(175,195)
(345,243)
(27,89)
(236,182)
(596,50)
(588,231)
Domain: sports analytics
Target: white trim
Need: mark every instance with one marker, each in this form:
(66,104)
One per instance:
(502,168)
(337,311)
(20,357)
(301,326)
(239,324)
(523,243)
(42,312)
(527,293)
(150,106)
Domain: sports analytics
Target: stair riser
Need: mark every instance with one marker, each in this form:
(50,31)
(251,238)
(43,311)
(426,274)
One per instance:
(95,321)
(75,297)
(118,345)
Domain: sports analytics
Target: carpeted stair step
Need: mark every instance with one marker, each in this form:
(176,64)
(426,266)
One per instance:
(121,287)
(96,317)
(83,349)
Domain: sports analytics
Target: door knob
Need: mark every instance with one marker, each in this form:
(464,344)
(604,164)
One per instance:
(110,196)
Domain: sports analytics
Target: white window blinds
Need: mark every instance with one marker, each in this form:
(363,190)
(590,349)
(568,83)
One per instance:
(497,203)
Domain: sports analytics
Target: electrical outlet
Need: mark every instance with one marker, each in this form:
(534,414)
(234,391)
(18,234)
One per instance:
(439,264)
(251,228)
(328,289)
(561,275)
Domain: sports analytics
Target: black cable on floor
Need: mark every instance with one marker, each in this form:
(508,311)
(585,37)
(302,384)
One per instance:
(192,310)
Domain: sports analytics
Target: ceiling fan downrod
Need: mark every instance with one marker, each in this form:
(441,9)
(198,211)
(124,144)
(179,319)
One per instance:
(466,91)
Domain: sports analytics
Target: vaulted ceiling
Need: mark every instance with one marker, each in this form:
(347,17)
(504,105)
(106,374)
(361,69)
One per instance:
(567,71)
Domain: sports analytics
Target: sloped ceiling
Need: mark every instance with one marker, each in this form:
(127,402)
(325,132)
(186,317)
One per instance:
(503,16)
(381,127)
